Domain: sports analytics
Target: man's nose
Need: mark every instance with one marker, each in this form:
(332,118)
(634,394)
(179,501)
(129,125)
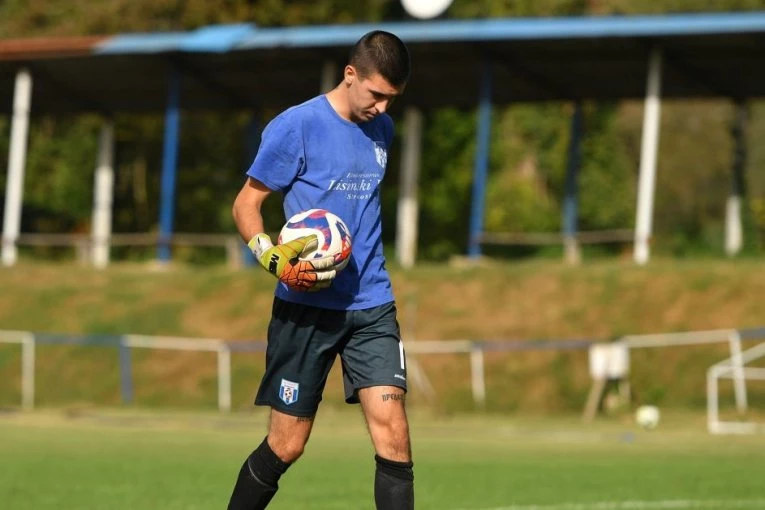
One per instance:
(382,106)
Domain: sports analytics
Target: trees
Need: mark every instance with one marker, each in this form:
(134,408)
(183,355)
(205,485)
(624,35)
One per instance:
(529,148)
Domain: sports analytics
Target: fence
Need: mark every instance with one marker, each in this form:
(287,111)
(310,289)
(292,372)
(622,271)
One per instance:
(85,244)
(224,349)
(733,367)
(570,242)
(553,238)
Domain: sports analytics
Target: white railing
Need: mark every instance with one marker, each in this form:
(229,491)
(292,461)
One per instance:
(475,350)
(86,245)
(189,344)
(477,376)
(732,368)
(223,350)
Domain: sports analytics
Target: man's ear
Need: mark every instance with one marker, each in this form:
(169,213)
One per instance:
(349,74)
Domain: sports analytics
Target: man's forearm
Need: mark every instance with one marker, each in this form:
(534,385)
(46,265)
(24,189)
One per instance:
(248,220)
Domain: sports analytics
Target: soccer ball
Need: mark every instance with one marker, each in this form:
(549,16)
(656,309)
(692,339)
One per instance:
(334,236)
(647,416)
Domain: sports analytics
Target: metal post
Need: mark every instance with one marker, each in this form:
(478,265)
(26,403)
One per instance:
(481,170)
(17,153)
(734,238)
(406,230)
(329,77)
(169,165)
(28,372)
(713,418)
(126,372)
(648,156)
(570,201)
(224,378)
(103,197)
(737,370)
(478,382)
(234,253)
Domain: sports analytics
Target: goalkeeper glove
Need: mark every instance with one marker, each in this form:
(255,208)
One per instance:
(284,262)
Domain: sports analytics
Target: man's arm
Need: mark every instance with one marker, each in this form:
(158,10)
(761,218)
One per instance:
(283,261)
(247,208)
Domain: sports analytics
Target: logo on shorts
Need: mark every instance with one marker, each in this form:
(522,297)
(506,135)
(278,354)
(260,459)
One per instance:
(288,391)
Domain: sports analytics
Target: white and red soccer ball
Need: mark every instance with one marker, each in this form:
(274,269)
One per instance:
(334,236)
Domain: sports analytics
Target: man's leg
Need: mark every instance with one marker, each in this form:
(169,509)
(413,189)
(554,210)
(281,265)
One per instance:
(301,349)
(260,473)
(384,412)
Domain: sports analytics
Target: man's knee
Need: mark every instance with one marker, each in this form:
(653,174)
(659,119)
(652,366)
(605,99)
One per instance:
(392,440)
(289,449)
(288,435)
(396,432)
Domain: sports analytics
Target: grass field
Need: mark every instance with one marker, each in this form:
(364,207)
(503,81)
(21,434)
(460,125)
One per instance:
(96,459)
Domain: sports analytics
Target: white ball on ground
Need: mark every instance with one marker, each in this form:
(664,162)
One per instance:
(647,417)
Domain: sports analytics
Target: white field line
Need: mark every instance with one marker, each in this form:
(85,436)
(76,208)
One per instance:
(668,504)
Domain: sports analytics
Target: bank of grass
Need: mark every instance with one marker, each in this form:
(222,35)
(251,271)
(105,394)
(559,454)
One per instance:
(598,300)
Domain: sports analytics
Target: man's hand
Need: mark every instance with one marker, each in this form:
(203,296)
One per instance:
(283,261)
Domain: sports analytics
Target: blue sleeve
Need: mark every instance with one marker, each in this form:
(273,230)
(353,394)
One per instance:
(280,156)
(388,131)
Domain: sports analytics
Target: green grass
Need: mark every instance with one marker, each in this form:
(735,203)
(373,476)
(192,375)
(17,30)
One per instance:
(139,460)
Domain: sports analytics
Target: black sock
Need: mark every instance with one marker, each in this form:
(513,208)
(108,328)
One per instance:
(394,485)
(258,479)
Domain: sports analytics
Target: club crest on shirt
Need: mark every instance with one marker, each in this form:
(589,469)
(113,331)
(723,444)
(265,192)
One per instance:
(381,154)
(288,391)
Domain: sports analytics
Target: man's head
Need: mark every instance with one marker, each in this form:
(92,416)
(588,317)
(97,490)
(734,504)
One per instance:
(382,53)
(377,72)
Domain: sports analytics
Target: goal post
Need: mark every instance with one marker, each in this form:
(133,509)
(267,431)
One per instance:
(734,368)
(730,336)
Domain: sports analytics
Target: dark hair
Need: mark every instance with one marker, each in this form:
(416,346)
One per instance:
(384,53)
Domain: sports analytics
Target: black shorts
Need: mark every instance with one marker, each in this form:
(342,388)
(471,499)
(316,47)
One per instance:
(303,342)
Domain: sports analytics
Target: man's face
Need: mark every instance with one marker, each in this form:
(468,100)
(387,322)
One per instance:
(370,96)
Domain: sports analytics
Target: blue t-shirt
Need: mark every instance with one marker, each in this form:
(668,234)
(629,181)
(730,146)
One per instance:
(317,159)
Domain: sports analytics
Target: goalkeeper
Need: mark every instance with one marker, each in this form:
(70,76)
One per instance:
(330,153)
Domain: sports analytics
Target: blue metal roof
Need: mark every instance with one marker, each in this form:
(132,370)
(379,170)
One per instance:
(532,59)
(223,38)
(213,39)
(217,38)
(142,43)
(515,29)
